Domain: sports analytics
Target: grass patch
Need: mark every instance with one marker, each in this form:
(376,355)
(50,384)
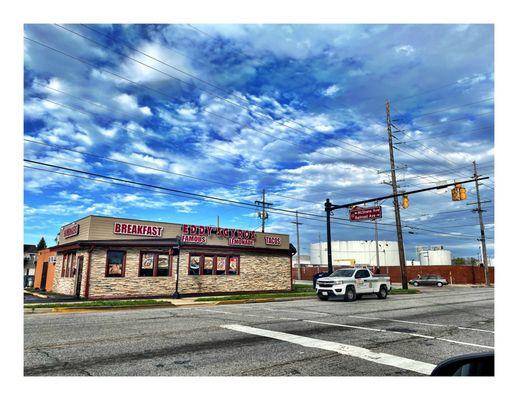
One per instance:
(404,291)
(297,287)
(99,303)
(258,296)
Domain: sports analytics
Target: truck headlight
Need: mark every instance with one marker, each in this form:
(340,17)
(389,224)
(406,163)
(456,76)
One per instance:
(339,282)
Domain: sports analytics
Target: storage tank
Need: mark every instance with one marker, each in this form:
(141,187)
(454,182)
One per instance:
(435,256)
(350,252)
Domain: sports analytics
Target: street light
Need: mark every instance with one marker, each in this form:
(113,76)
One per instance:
(176,295)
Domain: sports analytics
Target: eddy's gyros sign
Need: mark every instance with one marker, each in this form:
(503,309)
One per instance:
(199,234)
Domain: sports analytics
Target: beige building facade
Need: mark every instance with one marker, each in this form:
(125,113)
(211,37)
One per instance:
(104,257)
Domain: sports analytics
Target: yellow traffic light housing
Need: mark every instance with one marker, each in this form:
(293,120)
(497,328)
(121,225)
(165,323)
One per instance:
(459,193)
(462,193)
(406,202)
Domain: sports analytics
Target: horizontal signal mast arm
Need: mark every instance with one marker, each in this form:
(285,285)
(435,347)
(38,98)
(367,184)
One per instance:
(331,207)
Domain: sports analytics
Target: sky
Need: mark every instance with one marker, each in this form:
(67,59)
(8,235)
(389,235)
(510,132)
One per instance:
(229,110)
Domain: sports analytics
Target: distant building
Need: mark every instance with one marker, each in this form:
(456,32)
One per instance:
(29,264)
(305,261)
(433,255)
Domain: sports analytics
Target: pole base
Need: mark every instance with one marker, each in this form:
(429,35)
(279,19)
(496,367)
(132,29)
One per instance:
(176,295)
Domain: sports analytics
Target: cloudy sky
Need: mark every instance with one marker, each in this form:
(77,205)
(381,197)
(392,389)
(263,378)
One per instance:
(229,110)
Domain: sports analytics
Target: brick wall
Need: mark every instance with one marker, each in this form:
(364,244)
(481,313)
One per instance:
(456,274)
(258,272)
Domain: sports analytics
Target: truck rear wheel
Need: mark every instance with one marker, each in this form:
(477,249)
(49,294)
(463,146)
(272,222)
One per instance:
(350,294)
(382,294)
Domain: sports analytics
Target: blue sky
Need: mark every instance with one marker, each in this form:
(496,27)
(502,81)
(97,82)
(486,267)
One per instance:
(297,110)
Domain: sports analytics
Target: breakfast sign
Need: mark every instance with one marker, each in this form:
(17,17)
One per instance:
(198,234)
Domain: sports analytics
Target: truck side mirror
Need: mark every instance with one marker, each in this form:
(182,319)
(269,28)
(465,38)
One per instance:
(477,364)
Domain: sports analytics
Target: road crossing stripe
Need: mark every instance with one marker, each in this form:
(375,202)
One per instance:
(348,350)
(399,332)
(421,323)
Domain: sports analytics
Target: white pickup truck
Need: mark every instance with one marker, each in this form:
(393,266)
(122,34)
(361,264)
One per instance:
(352,284)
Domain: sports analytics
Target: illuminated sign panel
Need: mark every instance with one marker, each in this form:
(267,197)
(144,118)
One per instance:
(120,228)
(70,231)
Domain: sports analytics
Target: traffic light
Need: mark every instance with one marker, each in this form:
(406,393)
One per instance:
(462,193)
(405,201)
(458,193)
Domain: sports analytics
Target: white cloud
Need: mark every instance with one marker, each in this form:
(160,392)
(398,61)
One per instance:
(331,90)
(405,49)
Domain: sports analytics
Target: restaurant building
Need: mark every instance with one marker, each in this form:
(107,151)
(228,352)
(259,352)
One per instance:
(103,257)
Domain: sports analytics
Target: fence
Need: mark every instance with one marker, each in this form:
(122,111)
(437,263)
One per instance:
(455,274)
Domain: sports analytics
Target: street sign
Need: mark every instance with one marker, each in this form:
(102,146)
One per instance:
(360,213)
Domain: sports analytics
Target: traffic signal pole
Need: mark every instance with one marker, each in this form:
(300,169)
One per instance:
(330,207)
(482,230)
(401,248)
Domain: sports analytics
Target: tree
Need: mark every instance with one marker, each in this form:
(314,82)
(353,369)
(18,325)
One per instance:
(42,244)
(458,261)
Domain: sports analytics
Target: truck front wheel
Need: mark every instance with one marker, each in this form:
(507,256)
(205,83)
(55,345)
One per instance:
(382,294)
(350,294)
(321,297)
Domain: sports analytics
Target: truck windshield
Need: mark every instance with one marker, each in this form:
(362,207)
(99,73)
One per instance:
(343,272)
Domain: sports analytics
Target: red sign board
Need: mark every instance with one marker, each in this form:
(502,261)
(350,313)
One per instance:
(272,240)
(120,228)
(360,214)
(71,230)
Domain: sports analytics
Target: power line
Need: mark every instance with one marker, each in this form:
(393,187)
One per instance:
(449,108)
(167,96)
(270,118)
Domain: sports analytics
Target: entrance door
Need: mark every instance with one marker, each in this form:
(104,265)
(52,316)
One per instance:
(43,283)
(79,273)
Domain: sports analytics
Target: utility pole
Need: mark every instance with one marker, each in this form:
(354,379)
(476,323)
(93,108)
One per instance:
(402,261)
(297,223)
(377,246)
(481,222)
(263,214)
(319,249)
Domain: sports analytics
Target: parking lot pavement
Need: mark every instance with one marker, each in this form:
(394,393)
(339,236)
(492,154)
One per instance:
(402,335)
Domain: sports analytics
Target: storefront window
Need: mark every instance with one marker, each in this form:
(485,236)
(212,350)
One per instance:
(162,265)
(115,263)
(154,264)
(148,264)
(68,269)
(194,265)
(221,265)
(208,265)
(233,265)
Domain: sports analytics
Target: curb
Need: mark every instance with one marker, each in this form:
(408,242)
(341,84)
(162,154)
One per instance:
(41,296)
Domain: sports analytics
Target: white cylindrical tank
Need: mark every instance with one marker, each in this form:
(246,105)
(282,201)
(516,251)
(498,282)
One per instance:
(349,252)
(435,257)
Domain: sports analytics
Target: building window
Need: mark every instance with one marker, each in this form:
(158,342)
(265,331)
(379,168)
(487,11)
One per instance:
(154,264)
(195,265)
(68,269)
(221,265)
(115,263)
(213,265)
(233,265)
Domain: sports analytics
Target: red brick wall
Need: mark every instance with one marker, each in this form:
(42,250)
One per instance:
(456,274)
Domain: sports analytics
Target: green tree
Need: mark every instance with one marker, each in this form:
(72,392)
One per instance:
(42,244)
(458,261)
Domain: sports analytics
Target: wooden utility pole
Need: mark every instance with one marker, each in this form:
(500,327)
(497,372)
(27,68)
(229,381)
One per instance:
(482,231)
(297,223)
(402,261)
(263,214)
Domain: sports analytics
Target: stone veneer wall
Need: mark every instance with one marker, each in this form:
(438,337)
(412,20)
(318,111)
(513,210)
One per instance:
(258,272)
(67,286)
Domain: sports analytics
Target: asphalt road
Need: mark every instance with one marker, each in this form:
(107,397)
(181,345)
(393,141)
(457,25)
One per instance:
(402,335)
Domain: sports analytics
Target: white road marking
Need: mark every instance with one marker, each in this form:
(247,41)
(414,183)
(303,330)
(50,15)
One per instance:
(399,332)
(294,311)
(353,351)
(476,329)
(421,323)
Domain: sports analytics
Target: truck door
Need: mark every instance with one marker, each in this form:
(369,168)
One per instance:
(362,281)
